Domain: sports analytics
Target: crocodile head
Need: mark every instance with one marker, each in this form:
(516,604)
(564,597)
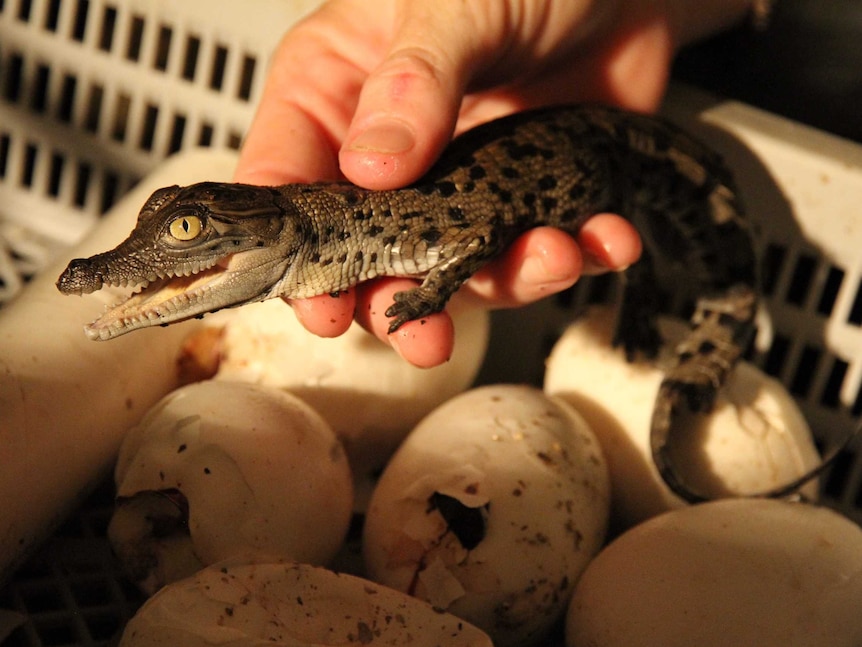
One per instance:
(194,250)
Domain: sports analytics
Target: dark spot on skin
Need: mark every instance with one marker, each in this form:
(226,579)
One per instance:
(343,235)
(315,257)
(547,182)
(529,199)
(446,188)
(351,197)
(430,235)
(375,230)
(373,257)
(504,194)
(326,261)
(182,448)
(466,523)
(549,204)
(456,214)
(466,160)
(390,240)
(426,189)
(207,470)
(518,152)
(706,347)
(357,257)
(341,259)
(468,187)
(409,215)
(510,173)
(478,172)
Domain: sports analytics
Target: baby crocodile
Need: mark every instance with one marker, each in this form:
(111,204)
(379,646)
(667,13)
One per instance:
(208,246)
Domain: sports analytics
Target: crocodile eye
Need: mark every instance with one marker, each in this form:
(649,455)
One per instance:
(185,227)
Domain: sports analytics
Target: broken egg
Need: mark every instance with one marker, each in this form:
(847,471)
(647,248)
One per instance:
(219,469)
(490,510)
(368,394)
(290,605)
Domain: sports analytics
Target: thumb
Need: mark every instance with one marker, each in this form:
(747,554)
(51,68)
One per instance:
(409,104)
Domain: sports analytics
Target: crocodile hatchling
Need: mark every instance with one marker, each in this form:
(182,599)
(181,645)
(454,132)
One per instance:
(208,246)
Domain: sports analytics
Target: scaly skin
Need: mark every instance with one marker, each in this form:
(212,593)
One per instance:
(555,166)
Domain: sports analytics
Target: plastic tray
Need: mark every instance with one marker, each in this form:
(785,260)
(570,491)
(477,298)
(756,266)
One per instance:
(95,93)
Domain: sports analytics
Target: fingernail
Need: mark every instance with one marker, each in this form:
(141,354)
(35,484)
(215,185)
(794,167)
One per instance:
(535,271)
(385,137)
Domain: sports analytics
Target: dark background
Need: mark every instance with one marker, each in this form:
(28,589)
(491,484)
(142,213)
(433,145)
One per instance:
(806,65)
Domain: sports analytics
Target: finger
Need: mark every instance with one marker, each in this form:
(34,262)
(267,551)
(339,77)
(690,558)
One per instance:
(425,343)
(409,104)
(541,262)
(608,242)
(326,315)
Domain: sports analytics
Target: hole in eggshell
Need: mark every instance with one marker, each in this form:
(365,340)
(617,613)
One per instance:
(466,523)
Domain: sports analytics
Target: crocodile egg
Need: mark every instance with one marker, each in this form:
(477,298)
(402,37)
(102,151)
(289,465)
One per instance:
(219,469)
(368,394)
(490,510)
(727,573)
(235,604)
(755,438)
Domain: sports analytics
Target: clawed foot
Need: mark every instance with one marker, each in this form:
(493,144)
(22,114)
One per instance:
(411,305)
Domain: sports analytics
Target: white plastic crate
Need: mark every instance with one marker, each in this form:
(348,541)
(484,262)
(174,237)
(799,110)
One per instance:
(95,93)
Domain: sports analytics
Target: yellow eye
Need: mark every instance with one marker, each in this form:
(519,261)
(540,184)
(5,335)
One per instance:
(186,227)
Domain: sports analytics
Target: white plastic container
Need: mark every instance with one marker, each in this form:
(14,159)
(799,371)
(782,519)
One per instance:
(94,94)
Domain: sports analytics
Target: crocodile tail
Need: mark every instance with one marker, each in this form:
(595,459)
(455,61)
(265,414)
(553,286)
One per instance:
(722,327)
(721,330)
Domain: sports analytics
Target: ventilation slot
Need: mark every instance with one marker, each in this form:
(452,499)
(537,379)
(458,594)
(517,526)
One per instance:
(800,282)
(163,48)
(79,26)
(218,68)
(136,38)
(52,15)
(109,25)
(806,368)
(246,80)
(190,59)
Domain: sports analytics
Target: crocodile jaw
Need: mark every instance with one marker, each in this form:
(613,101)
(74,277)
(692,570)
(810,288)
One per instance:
(164,301)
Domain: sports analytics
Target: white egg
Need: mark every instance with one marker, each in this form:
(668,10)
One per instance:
(368,394)
(218,469)
(490,509)
(725,574)
(754,440)
(290,605)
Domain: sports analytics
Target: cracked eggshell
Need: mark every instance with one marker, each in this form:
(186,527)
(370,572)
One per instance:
(290,605)
(724,574)
(370,396)
(253,469)
(490,509)
(754,440)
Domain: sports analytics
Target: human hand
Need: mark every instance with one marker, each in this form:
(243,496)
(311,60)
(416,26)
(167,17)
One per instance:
(373,92)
